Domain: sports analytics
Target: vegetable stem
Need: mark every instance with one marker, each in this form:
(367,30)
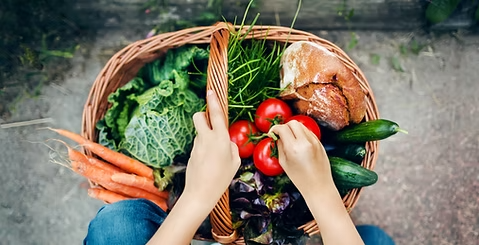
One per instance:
(241,106)
(402,131)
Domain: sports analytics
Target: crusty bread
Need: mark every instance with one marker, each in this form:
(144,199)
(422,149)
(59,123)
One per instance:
(321,85)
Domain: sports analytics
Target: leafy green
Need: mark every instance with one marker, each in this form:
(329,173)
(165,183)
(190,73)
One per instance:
(123,102)
(179,59)
(258,231)
(164,176)
(162,125)
(150,117)
(104,136)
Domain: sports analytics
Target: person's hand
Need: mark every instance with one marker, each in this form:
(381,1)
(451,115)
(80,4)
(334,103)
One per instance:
(302,157)
(214,159)
(304,160)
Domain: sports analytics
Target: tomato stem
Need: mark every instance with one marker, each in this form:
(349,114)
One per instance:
(264,135)
(273,136)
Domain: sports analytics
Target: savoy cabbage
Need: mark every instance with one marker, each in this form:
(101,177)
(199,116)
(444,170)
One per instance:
(150,117)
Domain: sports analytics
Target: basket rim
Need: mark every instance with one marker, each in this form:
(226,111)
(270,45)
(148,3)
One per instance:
(121,65)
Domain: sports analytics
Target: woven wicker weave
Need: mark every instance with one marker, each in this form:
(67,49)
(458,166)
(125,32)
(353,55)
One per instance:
(125,64)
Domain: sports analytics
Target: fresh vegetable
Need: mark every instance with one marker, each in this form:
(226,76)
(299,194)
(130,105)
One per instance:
(101,164)
(116,118)
(349,175)
(103,178)
(118,184)
(161,127)
(253,74)
(165,176)
(277,202)
(308,122)
(150,118)
(269,208)
(138,182)
(264,159)
(128,164)
(240,133)
(271,111)
(368,131)
(105,195)
(189,61)
(352,152)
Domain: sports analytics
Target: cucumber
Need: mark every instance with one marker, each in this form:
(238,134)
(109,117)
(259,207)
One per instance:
(368,131)
(352,152)
(349,175)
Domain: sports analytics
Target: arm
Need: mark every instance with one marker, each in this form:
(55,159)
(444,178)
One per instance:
(213,163)
(304,160)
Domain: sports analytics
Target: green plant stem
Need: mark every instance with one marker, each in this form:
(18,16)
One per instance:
(402,131)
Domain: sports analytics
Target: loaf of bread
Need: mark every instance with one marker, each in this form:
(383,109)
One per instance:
(321,86)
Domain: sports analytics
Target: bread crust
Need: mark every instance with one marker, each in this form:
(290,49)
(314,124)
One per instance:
(321,85)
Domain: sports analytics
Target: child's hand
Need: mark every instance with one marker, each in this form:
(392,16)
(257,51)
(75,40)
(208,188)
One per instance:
(214,159)
(304,160)
(302,157)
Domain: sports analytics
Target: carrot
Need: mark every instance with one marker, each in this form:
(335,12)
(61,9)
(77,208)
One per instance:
(104,165)
(106,195)
(75,155)
(126,163)
(139,182)
(103,178)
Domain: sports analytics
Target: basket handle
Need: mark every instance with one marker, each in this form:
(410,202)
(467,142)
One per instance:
(217,80)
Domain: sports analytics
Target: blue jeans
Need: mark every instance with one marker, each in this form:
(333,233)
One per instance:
(134,222)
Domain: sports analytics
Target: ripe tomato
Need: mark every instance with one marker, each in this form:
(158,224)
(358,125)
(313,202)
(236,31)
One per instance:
(309,122)
(263,159)
(240,132)
(271,110)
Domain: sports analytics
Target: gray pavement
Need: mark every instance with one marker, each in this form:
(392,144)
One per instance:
(427,191)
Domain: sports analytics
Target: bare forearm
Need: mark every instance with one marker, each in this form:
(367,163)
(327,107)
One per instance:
(333,220)
(183,221)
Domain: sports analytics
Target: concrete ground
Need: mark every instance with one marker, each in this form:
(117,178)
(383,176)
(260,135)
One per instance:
(428,187)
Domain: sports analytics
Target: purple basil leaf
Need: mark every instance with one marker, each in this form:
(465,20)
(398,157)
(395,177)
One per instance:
(259,202)
(240,186)
(247,215)
(265,237)
(247,177)
(277,203)
(295,195)
(242,202)
(258,181)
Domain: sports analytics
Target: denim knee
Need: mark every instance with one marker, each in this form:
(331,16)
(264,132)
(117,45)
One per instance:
(373,235)
(125,222)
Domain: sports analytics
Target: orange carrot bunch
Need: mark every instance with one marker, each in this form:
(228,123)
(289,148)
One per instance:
(120,176)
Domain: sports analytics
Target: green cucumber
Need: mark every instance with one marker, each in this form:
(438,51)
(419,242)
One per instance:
(349,175)
(368,131)
(352,152)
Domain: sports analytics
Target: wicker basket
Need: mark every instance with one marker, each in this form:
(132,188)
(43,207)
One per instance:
(125,64)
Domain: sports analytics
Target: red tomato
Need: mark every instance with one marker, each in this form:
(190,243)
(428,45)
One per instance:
(240,132)
(309,122)
(264,162)
(271,110)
